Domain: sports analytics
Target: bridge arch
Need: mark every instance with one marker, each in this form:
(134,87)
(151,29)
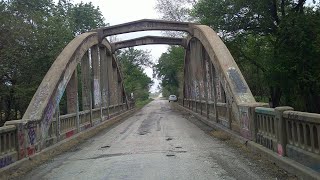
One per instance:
(97,91)
(213,81)
(209,66)
(147,40)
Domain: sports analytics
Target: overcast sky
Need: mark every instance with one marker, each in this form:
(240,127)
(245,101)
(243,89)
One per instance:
(122,11)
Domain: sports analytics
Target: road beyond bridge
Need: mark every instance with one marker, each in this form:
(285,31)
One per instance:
(158,142)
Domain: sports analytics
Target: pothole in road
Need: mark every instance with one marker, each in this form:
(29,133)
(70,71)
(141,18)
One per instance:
(164,109)
(170,155)
(143,133)
(105,147)
(178,147)
(169,139)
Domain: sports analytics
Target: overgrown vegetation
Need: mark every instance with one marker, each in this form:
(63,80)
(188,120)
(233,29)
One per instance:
(170,70)
(133,62)
(32,35)
(275,43)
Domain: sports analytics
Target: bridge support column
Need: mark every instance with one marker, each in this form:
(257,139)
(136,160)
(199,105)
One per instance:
(58,125)
(86,85)
(204,63)
(104,81)
(110,78)
(96,78)
(212,88)
(72,97)
(114,88)
(188,80)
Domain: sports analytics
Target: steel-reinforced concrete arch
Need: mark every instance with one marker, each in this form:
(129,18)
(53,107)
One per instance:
(145,25)
(207,49)
(216,49)
(147,40)
(49,93)
(222,59)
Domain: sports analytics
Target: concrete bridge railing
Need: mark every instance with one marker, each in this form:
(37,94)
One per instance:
(20,139)
(286,132)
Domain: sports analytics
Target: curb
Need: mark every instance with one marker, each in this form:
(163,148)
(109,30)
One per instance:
(285,163)
(21,167)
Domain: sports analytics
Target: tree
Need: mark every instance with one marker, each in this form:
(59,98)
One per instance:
(132,62)
(33,33)
(175,10)
(85,17)
(170,70)
(262,36)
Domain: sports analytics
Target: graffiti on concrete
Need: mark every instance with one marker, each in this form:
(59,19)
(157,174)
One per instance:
(196,92)
(46,122)
(31,133)
(31,150)
(43,92)
(5,161)
(280,150)
(70,133)
(21,140)
(244,119)
(218,89)
(96,92)
(237,81)
(244,122)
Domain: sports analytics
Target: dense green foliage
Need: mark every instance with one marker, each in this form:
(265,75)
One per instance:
(133,62)
(170,70)
(275,43)
(32,35)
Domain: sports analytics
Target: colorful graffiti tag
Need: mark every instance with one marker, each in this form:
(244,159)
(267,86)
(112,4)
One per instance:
(5,161)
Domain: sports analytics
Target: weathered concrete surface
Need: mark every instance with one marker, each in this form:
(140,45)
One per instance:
(21,167)
(156,143)
(148,40)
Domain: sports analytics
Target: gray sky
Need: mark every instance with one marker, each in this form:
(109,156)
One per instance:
(121,11)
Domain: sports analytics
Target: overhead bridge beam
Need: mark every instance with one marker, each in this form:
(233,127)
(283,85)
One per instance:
(148,40)
(145,25)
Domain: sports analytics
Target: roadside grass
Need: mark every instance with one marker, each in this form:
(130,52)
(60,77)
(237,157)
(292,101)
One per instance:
(140,104)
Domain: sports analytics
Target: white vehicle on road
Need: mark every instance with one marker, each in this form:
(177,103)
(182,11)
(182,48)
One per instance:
(173,98)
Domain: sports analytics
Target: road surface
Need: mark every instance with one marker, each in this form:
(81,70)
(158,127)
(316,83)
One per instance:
(157,142)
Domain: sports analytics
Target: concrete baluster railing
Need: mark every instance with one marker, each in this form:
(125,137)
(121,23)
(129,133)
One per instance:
(303,137)
(266,127)
(222,112)
(8,145)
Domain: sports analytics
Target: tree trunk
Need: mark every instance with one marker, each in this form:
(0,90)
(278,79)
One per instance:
(275,96)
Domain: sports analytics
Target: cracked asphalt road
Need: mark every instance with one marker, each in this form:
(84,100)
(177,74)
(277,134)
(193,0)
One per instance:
(157,142)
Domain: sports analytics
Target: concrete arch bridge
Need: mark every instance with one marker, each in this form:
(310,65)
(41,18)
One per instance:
(214,89)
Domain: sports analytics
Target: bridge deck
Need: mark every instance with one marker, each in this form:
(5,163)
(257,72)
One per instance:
(156,143)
